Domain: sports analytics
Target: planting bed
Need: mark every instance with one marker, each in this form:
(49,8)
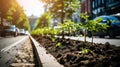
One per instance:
(73,53)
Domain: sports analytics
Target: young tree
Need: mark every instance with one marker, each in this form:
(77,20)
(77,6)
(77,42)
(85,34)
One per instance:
(12,9)
(94,26)
(4,7)
(13,12)
(68,27)
(84,20)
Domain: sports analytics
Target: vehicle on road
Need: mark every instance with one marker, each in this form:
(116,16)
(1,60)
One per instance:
(113,29)
(10,29)
(27,32)
(21,31)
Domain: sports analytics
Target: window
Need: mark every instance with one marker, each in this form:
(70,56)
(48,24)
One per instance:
(93,4)
(102,1)
(99,2)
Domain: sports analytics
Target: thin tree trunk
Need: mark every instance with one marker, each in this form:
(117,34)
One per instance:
(62,18)
(92,38)
(1,21)
(85,35)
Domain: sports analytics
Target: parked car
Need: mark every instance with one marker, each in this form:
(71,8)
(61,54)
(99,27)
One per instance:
(113,21)
(27,33)
(10,29)
(21,31)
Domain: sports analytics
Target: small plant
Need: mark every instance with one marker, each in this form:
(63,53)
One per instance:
(84,51)
(58,45)
(45,31)
(38,32)
(53,39)
(78,27)
(68,27)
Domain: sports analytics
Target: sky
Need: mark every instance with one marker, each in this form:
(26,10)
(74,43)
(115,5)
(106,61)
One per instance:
(32,7)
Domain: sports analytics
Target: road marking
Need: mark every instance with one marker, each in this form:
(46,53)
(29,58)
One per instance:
(12,45)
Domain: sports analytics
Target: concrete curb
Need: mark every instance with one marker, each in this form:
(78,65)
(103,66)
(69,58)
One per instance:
(44,58)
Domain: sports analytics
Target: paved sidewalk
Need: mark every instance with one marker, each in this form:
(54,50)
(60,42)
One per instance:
(96,40)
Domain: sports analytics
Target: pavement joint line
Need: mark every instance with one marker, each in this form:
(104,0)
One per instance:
(12,45)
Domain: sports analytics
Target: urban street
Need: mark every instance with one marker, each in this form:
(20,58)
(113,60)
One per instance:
(59,33)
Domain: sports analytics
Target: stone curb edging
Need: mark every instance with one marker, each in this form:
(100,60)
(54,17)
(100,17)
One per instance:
(44,58)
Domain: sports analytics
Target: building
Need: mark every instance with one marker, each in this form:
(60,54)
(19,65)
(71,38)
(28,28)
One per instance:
(86,6)
(96,8)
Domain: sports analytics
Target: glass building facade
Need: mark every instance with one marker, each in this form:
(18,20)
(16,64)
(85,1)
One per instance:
(101,7)
(104,7)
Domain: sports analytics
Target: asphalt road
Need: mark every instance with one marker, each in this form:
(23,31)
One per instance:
(8,48)
(115,41)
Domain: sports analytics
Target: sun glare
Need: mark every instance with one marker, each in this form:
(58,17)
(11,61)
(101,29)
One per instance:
(32,7)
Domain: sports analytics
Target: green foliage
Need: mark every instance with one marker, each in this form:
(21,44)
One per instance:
(68,26)
(78,27)
(92,25)
(43,21)
(45,31)
(62,9)
(26,24)
(95,26)
(68,6)
(37,32)
(84,51)
(13,12)
(84,16)
(58,45)
(58,7)
(53,39)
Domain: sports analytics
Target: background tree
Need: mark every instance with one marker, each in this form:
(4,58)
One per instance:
(11,11)
(14,13)
(63,9)
(4,7)
(67,6)
(46,4)
(43,21)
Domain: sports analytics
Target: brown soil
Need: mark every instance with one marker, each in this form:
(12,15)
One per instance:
(73,53)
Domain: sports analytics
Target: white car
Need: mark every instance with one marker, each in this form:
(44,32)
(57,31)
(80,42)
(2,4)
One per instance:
(21,31)
(27,33)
